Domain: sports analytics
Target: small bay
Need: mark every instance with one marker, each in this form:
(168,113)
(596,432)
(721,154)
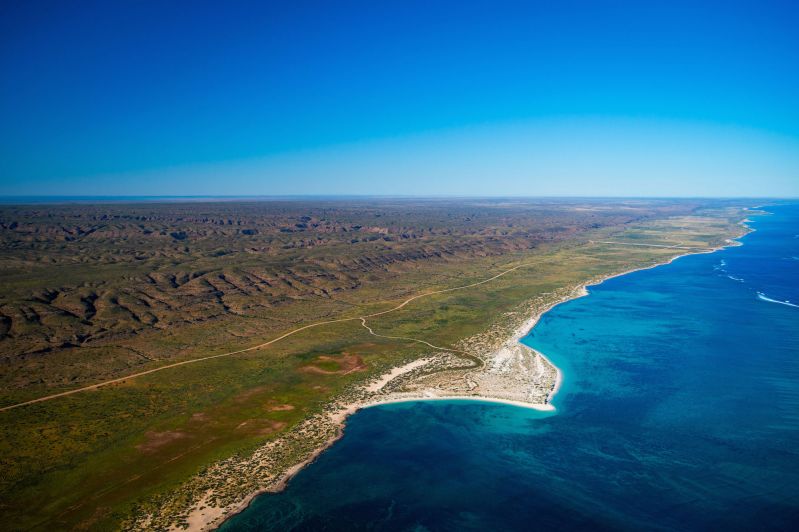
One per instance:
(679,410)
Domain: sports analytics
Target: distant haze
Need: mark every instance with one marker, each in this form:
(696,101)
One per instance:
(410,98)
(569,157)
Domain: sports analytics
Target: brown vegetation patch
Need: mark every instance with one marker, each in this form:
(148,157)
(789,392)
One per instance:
(261,427)
(281,408)
(347,363)
(155,440)
(249,394)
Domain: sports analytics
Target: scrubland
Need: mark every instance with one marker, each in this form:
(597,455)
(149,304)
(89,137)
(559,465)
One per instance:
(90,293)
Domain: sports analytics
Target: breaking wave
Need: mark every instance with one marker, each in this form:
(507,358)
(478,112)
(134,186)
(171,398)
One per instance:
(763,297)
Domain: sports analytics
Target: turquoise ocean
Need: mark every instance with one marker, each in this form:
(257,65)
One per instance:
(679,410)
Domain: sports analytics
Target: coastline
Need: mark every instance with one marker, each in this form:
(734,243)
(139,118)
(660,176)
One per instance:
(543,407)
(205,518)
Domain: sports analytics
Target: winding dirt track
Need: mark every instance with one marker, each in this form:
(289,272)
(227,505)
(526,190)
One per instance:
(270,342)
(669,246)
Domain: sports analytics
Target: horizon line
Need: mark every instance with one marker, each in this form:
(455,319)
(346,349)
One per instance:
(12,199)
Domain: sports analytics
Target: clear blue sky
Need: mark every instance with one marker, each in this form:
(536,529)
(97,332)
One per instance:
(462,97)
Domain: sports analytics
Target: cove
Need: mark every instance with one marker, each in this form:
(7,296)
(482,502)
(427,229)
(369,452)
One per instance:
(679,410)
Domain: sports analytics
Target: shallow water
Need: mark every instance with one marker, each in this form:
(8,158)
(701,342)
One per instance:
(679,410)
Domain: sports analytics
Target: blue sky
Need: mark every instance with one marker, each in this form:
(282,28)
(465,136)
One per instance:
(467,98)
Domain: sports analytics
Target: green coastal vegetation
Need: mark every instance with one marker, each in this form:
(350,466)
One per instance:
(90,293)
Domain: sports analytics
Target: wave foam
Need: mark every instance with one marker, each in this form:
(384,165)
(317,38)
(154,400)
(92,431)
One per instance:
(763,297)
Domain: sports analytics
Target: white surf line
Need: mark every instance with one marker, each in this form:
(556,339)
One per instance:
(676,246)
(764,297)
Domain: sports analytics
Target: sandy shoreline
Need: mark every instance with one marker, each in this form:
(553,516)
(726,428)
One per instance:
(465,398)
(210,518)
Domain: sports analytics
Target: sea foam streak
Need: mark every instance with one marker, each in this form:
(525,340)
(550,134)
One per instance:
(763,297)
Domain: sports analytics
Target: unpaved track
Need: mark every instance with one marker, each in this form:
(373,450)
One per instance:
(675,246)
(270,342)
(477,362)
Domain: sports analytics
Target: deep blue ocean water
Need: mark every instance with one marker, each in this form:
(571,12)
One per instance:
(679,411)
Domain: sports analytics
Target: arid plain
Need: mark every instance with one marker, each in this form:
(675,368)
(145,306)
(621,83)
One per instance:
(235,336)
